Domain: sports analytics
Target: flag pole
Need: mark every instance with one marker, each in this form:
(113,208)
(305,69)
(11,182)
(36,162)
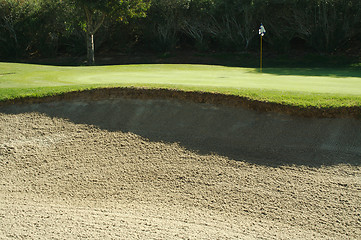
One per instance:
(261,32)
(261,56)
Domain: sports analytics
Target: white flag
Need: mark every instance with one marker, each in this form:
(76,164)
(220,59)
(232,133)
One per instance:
(261,30)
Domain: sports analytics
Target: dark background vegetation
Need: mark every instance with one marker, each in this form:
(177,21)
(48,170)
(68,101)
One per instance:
(49,29)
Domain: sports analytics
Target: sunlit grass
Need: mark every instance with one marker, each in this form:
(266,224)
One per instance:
(290,86)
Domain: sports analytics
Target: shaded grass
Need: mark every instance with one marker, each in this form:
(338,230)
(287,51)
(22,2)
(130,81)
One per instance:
(320,88)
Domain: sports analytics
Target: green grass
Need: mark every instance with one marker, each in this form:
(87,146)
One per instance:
(304,87)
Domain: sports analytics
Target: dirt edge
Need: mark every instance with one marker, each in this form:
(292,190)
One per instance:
(193,96)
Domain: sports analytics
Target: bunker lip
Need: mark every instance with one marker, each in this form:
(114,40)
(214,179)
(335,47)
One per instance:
(204,123)
(193,96)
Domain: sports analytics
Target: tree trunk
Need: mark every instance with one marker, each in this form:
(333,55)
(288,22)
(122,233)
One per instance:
(90,49)
(91,28)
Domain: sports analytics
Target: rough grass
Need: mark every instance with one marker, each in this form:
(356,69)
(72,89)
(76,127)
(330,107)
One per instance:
(303,87)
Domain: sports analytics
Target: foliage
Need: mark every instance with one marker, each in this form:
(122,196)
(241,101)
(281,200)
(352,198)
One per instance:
(50,27)
(17,24)
(164,23)
(96,11)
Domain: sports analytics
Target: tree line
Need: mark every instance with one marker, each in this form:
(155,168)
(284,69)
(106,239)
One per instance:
(48,28)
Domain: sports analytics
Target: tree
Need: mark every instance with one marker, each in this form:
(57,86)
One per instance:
(96,11)
(16,26)
(165,22)
(199,23)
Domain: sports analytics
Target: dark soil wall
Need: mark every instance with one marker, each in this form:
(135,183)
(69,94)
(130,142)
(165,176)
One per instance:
(196,97)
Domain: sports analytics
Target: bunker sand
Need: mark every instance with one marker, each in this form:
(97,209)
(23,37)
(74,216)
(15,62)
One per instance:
(170,169)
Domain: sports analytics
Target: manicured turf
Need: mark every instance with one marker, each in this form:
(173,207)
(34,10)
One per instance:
(303,87)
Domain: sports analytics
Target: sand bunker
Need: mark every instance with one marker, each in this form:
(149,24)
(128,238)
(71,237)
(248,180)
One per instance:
(169,169)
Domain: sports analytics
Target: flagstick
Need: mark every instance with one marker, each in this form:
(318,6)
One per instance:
(261,56)
(261,32)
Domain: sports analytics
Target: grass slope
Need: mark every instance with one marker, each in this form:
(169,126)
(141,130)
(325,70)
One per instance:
(302,87)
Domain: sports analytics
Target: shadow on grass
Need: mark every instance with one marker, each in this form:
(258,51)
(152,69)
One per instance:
(329,72)
(261,138)
(303,65)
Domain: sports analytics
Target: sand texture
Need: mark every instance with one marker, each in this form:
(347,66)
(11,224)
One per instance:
(170,169)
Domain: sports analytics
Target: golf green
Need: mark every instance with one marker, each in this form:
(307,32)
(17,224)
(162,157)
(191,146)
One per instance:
(303,87)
